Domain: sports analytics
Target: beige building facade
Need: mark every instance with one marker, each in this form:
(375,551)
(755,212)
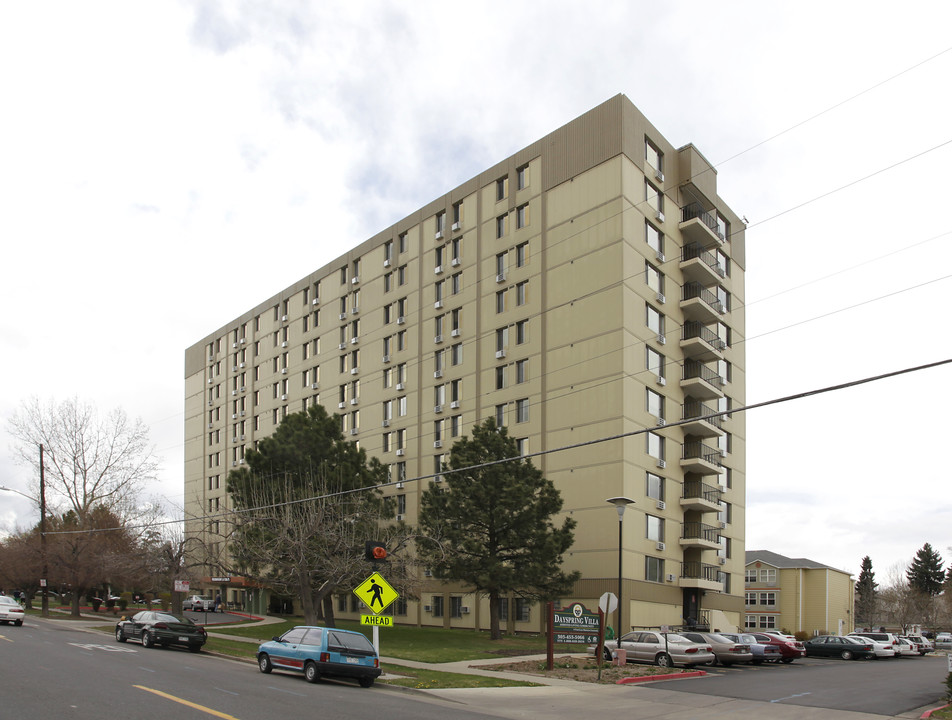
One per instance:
(588,293)
(796,595)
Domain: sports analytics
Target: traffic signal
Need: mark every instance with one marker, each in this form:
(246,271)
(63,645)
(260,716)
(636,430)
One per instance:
(375,551)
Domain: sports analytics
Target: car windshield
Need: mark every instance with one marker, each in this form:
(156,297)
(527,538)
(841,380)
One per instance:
(674,637)
(749,639)
(5,600)
(714,637)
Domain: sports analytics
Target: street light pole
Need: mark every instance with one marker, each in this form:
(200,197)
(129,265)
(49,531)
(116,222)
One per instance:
(620,504)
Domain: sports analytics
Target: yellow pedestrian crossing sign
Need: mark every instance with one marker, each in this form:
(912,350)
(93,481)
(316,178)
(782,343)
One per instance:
(376,593)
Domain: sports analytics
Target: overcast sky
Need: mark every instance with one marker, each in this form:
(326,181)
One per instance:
(148,149)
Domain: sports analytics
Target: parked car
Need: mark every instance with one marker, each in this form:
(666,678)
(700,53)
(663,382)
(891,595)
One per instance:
(726,651)
(11,611)
(200,603)
(153,627)
(664,649)
(907,648)
(943,641)
(318,651)
(881,648)
(848,648)
(790,650)
(762,652)
(923,643)
(888,638)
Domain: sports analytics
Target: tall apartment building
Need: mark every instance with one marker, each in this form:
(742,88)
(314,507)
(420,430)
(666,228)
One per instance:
(590,286)
(796,594)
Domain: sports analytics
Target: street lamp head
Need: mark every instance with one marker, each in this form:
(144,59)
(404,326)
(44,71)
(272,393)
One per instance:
(620,504)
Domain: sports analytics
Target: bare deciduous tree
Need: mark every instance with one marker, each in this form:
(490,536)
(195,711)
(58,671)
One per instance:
(90,461)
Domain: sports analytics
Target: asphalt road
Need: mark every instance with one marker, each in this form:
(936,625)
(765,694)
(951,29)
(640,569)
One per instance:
(53,671)
(885,687)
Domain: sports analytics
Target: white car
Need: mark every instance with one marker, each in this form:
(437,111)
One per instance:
(11,611)
(881,648)
(923,643)
(202,603)
(943,641)
(907,648)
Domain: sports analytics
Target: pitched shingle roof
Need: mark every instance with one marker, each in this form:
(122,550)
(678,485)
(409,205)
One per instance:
(780,561)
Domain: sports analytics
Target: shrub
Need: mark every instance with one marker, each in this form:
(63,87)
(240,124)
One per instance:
(948,686)
(125,599)
(802,635)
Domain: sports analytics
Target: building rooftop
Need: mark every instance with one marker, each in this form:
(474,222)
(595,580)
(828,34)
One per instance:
(780,561)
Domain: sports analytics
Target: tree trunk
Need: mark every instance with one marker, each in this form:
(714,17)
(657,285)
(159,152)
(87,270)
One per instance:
(328,604)
(494,632)
(308,604)
(74,604)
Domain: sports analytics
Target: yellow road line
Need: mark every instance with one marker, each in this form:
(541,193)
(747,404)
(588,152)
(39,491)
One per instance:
(216,713)
(4,637)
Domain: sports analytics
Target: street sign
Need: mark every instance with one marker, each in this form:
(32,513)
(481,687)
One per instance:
(608,603)
(376,593)
(376,620)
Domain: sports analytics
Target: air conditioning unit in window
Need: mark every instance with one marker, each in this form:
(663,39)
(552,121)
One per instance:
(354,401)
(284,371)
(661,381)
(354,371)
(721,561)
(660,505)
(500,354)
(401,320)
(399,486)
(234,392)
(210,381)
(670,577)
(660,546)
(386,423)
(437,408)
(399,517)
(661,298)
(284,397)
(722,525)
(438,339)
(439,235)
(355,280)
(659,175)
(342,316)
(315,386)
(720,344)
(400,386)
(354,340)
(438,373)
(456,226)
(241,389)
(438,270)
(353,431)
(242,413)
(427,573)
(661,340)
(438,304)
(401,452)
(437,443)
(660,256)
(354,310)
(428,608)
(386,358)
(210,425)
(454,405)
(342,404)
(386,262)
(241,365)
(234,368)
(284,318)
(234,441)
(659,216)
(455,332)
(501,278)
(316,301)
(662,422)
(455,262)
(464,609)
(662,464)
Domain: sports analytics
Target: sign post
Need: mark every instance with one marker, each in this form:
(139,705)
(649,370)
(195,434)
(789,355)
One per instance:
(574,625)
(377,594)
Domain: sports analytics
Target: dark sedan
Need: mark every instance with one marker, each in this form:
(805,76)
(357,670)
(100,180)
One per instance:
(153,628)
(838,646)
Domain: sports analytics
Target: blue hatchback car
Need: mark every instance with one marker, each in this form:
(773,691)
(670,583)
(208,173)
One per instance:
(317,651)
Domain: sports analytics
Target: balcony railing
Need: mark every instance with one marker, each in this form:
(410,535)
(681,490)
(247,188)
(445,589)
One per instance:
(694,210)
(700,531)
(696,330)
(693,290)
(701,571)
(694,410)
(698,489)
(697,251)
(694,369)
(699,451)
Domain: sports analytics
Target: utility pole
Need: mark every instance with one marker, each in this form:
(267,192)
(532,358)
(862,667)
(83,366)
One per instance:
(45,608)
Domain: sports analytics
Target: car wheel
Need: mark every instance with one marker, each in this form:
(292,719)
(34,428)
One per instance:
(847,654)
(147,640)
(786,660)
(607,653)
(663,660)
(264,663)
(310,672)
(18,623)
(120,636)
(366,682)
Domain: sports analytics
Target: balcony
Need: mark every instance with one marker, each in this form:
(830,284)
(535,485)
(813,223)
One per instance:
(700,227)
(701,497)
(700,265)
(701,575)
(698,421)
(699,458)
(700,381)
(700,535)
(699,342)
(700,304)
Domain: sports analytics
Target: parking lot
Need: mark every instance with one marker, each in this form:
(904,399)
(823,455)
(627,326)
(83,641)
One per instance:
(884,687)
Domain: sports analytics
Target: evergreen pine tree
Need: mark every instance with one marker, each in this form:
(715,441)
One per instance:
(867,596)
(926,573)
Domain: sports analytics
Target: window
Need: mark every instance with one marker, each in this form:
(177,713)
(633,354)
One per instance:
(438,360)
(654,320)
(522,254)
(501,226)
(768,598)
(388,282)
(501,266)
(654,528)
(655,445)
(522,177)
(439,394)
(501,415)
(750,575)
(522,328)
(502,188)
(653,157)
(750,598)
(522,410)
(522,446)
(654,278)
(387,253)
(402,504)
(654,238)
(457,283)
(768,575)
(402,340)
(654,486)
(502,339)
(522,216)
(403,240)
(440,223)
(455,320)
(456,354)
(343,274)
(766,622)
(456,390)
(438,291)
(654,197)
(456,606)
(438,258)
(402,406)
(722,227)
(750,622)
(654,569)
(455,422)
(503,608)
(655,404)
(724,298)
(437,606)
(521,371)
(522,293)
(522,610)
(457,213)
(501,300)
(455,250)
(402,275)
(724,515)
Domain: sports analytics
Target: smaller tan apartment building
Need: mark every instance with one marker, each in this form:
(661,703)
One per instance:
(796,594)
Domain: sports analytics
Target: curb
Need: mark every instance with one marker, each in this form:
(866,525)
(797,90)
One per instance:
(652,678)
(928,713)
